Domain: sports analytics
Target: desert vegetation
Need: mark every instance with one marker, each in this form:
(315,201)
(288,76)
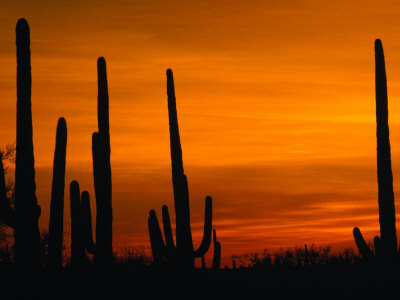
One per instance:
(96,261)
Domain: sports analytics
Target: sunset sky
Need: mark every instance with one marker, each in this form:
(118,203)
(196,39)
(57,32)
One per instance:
(275,100)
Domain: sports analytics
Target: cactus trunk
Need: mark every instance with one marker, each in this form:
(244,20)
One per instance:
(387,219)
(102,171)
(184,242)
(57,197)
(26,233)
(386,245)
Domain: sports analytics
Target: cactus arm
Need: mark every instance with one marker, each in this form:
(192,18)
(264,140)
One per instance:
(387,217)
(7,215)
(77,247)
(362,246)
(217,252)
(27,210)
(175,141)
(57,197)
(86,215)
(158,247)
(205,244)
(169,240)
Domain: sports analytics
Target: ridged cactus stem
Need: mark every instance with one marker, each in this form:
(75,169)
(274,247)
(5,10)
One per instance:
(26,233)
(102,171)
(387,218)
(57,197)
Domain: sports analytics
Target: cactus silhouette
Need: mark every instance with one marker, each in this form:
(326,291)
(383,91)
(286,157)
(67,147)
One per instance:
(81,226)
(81,217)
(386,245)
(24,218)
(57,197)
(25,215)
(217,252)
(77,244)
(158,247)
(184,253)
(26,232)
(101,151)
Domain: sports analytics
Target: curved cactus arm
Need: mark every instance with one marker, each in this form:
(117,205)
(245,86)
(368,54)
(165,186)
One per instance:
(169,239)
(205,244)
(378,246)
(217,252)
(6,213)
(362,246)
(86,219)
(387,218)
(158,247)
(57,197)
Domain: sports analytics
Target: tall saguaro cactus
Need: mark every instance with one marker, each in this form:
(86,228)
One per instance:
(27,210)
(101,151)
(57,197)
(387,243)
(184,252)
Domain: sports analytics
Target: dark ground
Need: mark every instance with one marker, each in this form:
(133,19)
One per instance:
(144,282)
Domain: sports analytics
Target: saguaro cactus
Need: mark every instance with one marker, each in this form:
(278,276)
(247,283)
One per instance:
(26,232)
(184,252)
(57,197)
(81,225)
(387,243)
(101,151)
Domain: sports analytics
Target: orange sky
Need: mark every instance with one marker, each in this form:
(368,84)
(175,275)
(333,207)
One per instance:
(275,103)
